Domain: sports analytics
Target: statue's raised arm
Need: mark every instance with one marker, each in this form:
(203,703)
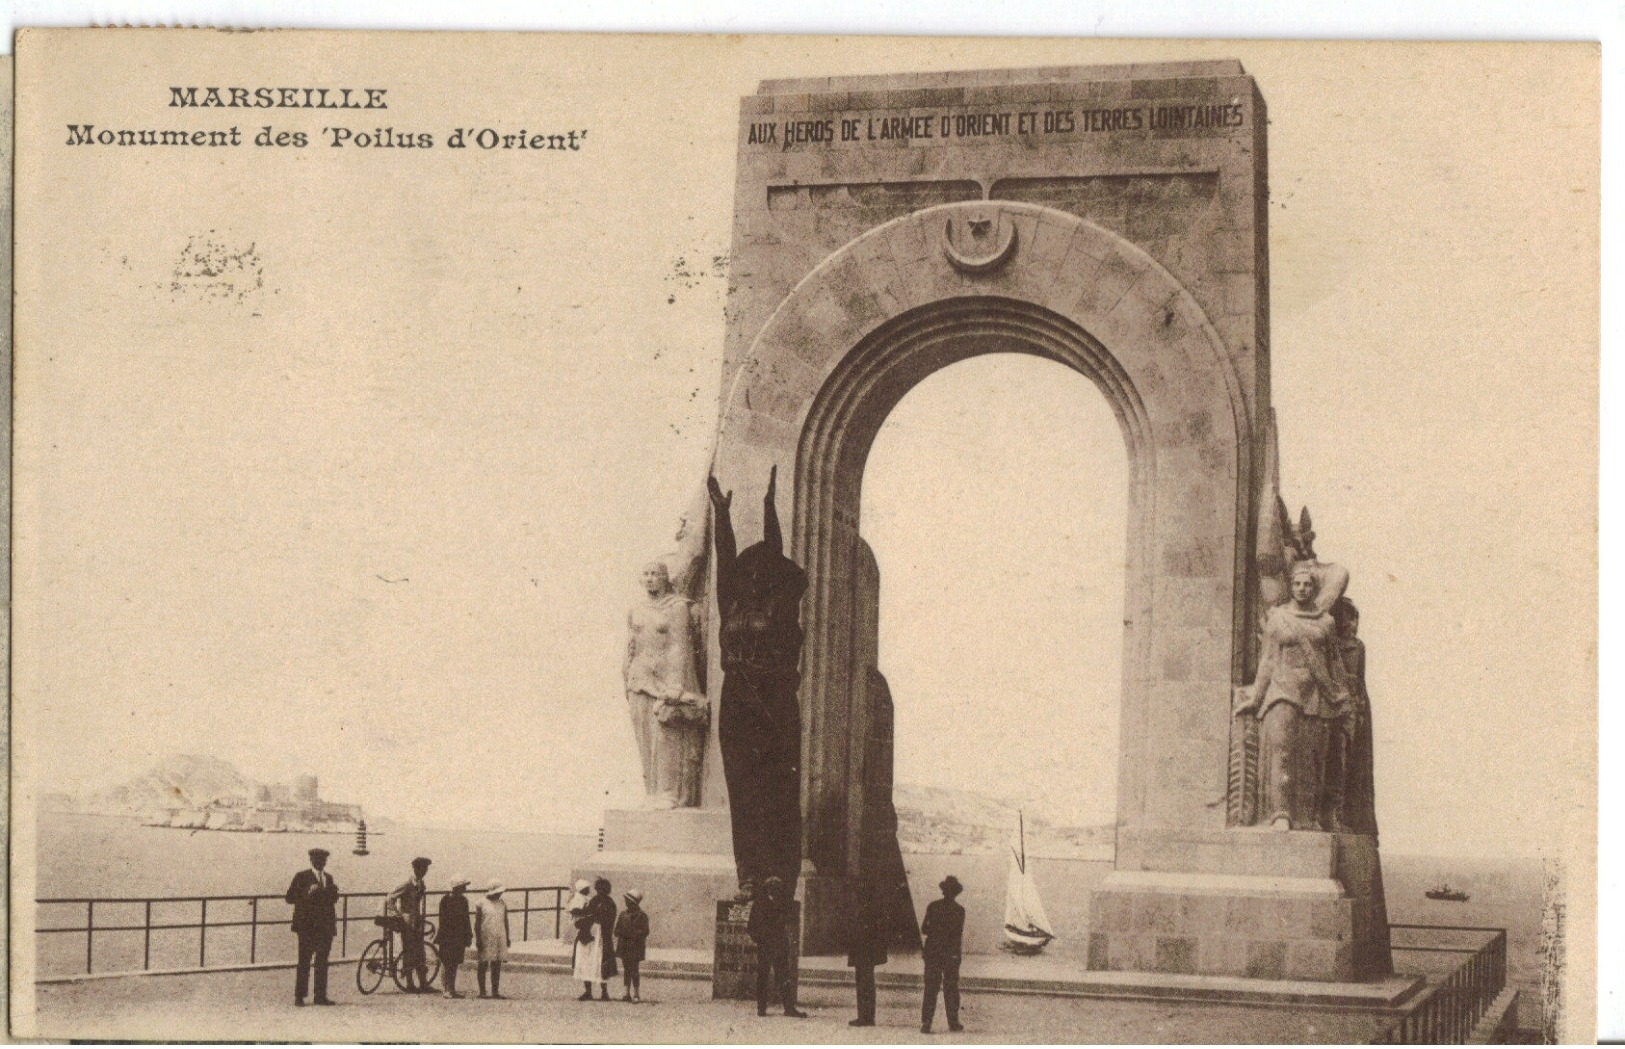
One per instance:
(771,534)
(722,532)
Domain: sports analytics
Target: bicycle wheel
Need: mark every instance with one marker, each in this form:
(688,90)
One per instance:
(431,968)
(369,971)
(400,972)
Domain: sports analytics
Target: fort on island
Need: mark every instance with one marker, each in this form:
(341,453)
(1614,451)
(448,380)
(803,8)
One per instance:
(270,807)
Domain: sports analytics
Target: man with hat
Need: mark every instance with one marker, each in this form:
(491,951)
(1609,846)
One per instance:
(454,933)
(404,910)
(313,894)
(944,930)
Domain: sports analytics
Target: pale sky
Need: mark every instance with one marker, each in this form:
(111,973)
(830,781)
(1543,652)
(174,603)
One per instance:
(1001,552)
(381,519)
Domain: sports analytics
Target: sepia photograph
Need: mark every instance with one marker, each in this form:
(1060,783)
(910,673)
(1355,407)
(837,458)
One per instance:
(760,539)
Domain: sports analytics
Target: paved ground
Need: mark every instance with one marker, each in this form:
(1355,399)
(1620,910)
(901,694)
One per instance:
(542,1008)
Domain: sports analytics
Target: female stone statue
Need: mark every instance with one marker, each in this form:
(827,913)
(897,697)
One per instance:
(1301,699)
(669,715)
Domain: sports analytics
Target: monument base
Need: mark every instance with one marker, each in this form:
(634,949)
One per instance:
(733,973)
(1250,903)
(824,902)
(680,859)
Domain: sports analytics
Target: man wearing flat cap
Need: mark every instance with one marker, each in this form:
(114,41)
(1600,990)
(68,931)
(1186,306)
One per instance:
(404,910)
(313,894)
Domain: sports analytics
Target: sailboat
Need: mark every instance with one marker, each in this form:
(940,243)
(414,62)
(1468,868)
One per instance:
(1027,928)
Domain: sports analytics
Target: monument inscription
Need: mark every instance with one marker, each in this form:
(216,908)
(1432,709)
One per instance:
(1178,116)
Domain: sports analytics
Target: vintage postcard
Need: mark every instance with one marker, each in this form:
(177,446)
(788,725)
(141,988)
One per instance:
(890,539)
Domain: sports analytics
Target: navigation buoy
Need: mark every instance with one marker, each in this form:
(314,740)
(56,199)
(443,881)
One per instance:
(360,838)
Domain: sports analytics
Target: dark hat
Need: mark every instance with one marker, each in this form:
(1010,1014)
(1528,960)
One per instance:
(950,886)
(323,853)
(421,861)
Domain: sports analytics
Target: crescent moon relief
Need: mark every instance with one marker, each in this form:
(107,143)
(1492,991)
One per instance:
(993,241)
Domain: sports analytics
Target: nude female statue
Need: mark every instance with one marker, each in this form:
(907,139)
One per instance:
(669,715)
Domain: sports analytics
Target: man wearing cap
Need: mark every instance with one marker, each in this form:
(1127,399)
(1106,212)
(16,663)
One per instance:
(944,929)
(313,894)
(769,928)
(404,909)
(454,933)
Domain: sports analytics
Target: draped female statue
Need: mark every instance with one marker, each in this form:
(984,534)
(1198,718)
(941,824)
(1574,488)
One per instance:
(669,713)
(1302,700)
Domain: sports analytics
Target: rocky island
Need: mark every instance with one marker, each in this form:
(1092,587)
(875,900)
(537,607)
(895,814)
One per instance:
(198,792)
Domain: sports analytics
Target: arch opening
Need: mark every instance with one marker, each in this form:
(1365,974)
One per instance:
(842,610)
(994,498)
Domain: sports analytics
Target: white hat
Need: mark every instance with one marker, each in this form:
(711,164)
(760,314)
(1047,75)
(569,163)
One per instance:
(583,885)
(460,880)
(495,890)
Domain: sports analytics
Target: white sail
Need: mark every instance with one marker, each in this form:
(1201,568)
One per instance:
(1027,928)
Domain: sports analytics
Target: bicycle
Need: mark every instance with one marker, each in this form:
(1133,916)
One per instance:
(379,959)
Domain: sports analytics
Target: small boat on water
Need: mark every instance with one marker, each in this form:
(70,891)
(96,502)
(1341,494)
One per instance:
(1027,929)
(1445,892)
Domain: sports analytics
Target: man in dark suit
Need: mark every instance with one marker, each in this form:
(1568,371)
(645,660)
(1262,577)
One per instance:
(770,929)
(866,944)
(944,930)
(454,934)
(313,894)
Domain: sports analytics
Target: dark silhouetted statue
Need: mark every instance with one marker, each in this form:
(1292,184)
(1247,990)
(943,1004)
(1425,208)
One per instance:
(759,718)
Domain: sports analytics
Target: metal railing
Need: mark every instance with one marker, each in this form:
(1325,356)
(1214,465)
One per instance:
(118,919)
(1452,1005)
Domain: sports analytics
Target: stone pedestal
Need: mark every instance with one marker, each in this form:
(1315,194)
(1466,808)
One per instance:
(824,900)
(733,975)
(1252,903)
(681,859)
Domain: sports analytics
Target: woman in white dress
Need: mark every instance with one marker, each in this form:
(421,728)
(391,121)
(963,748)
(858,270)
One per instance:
(589,945)
(491,938)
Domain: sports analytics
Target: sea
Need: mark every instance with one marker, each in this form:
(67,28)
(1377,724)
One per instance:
(85,856)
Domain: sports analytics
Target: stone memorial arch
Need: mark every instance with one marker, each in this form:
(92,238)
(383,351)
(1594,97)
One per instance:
(861,330)
(1111,219)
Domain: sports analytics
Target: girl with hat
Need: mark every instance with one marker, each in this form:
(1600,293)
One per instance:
(491,938)
(631,936)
